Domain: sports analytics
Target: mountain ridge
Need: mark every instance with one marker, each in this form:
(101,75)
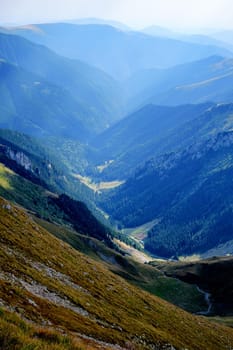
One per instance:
(127,46)
(188,205)
(93,90)
(206,77)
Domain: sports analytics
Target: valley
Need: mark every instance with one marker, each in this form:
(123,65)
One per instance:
(116,188)
(97,187)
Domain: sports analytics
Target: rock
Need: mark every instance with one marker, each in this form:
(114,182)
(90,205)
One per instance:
(7,206)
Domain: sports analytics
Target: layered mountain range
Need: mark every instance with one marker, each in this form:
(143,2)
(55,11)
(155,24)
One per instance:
(135,163)
(120,53)
(118,143)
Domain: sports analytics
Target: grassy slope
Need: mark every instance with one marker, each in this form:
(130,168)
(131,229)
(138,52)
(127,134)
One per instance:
(18,334)
(117,311)
(50,206)
(144,276)
(213,275)
(22,191)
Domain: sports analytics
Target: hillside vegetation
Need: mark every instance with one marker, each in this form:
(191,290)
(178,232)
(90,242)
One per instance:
(48,282)
(212,275)
(72,222)
(89,95)
(51,206)
(183,191)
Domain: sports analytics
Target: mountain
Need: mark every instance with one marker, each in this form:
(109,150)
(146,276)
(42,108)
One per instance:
(69,168)
(28,179)
(209,79)
(21,183)
(199,217)
(217,89)
(116,24)
(75,302)
(97,96)
(46,164)
(32,105)
(224,35)
(150,131)
(119,53)
(205,40)
(212,275)
(191,38)
(182,193)
(159,31)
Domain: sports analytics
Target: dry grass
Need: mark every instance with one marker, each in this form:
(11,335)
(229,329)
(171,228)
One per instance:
(97,187)
(4,181)
(131,268)
(18,334)
(118,313)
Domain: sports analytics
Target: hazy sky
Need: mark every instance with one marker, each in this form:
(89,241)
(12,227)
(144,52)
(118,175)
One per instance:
(169,13)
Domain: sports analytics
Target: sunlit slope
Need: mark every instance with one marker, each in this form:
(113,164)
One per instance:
(47,281)
(60,209)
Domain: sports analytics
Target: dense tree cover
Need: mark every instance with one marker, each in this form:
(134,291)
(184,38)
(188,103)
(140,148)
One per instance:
(81,218)
(155,130)
(150,131)
(202,221)
(46,165)
(169,176)
(190,194)
(28,191)
(37,173)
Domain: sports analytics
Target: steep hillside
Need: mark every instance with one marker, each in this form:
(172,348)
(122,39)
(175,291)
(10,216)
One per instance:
(183,192)
(32,159)
(48,282)
(212,275)
(216,89)
(129,264)
(119,53)
(148,132)
(17,333)
(34,106)
(209,79)
(66,156)
(56,208)
(97,95)
(72,222)
(155,130)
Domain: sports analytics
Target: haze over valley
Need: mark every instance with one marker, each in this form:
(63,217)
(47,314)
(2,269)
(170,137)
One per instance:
(116,168)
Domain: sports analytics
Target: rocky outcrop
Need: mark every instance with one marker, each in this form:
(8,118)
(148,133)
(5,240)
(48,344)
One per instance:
(20,158)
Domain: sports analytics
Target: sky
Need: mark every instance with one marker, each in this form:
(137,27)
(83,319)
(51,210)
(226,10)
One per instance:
(173,14)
